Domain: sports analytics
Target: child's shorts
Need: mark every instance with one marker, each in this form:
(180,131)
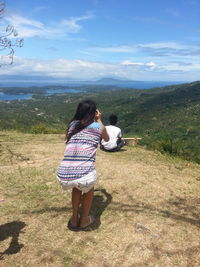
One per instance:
(84,184)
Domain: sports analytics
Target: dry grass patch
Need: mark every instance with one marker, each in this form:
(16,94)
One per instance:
(146,206)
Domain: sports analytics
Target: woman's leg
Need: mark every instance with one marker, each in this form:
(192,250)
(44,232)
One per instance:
(76,200)
(86,205)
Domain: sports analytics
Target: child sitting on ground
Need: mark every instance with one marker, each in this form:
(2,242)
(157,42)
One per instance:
(115,142)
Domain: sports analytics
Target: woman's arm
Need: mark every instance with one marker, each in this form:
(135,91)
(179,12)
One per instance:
(105,135)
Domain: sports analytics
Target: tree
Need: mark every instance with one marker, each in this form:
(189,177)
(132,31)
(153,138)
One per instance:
(8,41)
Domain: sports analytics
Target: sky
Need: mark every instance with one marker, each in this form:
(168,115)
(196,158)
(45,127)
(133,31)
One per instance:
(143,40)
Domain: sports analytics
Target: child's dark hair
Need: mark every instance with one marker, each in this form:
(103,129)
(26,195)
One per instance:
(113,119)
(84,116)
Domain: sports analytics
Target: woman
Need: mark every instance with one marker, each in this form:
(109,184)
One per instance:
(77,170)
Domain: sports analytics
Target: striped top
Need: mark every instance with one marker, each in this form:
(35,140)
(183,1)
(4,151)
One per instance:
(80,153)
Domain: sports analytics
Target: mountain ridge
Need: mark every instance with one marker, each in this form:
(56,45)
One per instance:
(19,80)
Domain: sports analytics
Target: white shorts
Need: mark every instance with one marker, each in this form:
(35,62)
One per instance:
(84,184)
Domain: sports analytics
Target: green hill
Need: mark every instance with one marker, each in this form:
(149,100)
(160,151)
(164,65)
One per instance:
(166,118)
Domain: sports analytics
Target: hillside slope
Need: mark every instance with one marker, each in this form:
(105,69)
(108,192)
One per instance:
(167,118)
(146,206)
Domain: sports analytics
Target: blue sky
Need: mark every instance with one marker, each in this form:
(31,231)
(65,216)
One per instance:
(90,39)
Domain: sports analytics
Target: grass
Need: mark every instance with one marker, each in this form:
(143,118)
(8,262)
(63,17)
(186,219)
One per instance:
(146,205)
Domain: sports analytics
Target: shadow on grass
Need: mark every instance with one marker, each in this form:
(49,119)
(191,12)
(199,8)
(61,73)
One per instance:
(188,256)
(114,152)
(179,209)
(100,202)
(12,229)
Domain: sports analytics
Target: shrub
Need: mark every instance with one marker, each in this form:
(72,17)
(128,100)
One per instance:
(42,129)
(170,146)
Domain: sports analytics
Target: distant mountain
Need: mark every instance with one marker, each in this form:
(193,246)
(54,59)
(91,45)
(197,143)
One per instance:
(131,83)
(27,81)
(108,80)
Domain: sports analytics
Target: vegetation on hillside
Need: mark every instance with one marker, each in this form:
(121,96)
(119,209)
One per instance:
(166,118)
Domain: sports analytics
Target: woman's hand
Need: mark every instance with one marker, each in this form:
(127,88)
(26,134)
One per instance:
(97,115)
(105,135)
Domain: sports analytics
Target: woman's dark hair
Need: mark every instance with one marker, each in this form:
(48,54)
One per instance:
(84,116)
(113,119)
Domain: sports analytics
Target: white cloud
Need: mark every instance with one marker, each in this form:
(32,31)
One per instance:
(151,51)
(167,45)
(151,64)
(115,49)
(85,69)
(128,63)
(72,23)
(181,67)
(27,28)
(148,64)
(171,46)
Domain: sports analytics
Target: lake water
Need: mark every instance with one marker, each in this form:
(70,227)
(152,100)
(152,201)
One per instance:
(138,85)
(8,97)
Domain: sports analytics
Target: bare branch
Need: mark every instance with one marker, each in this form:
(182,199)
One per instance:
(8,41)
(2,7)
